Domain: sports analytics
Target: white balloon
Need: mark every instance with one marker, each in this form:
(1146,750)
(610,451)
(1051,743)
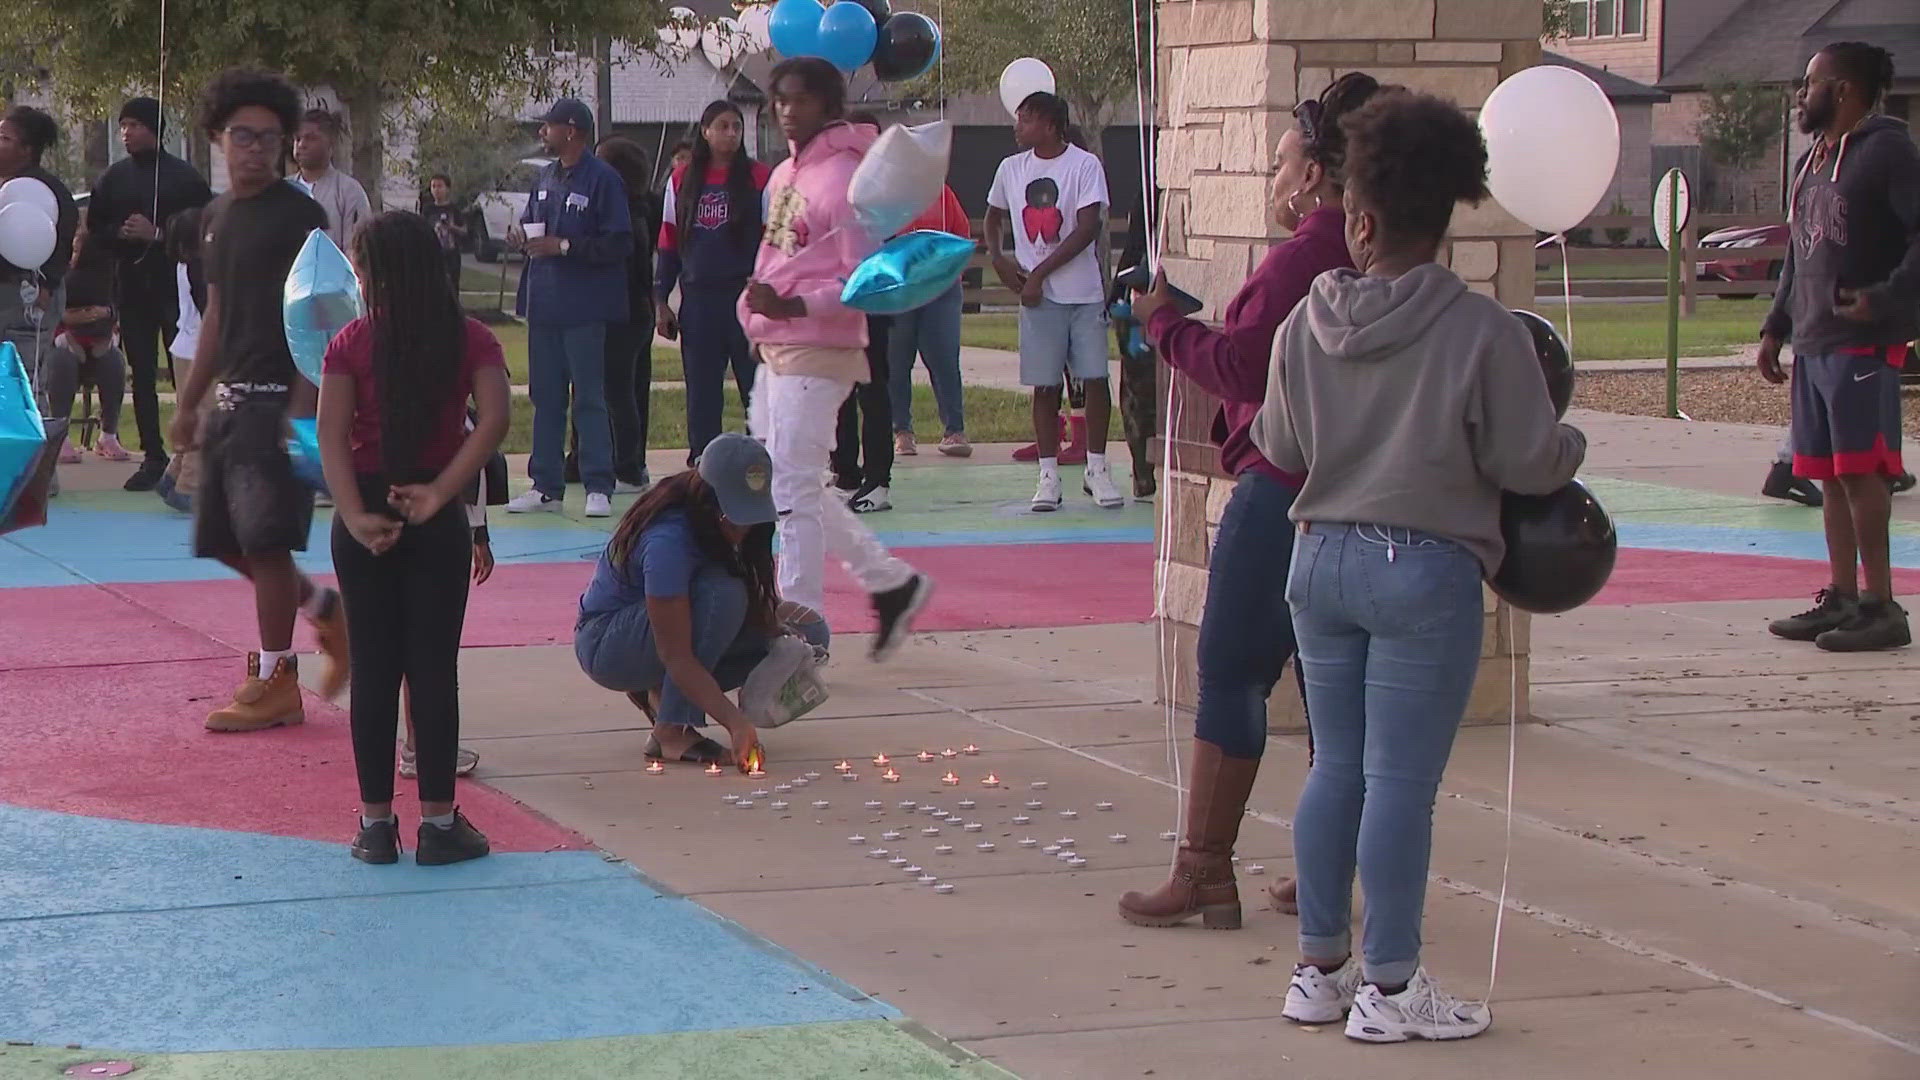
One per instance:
(756,33)
(27,190)
(26,236)
(1021,80)
(900,177)
(682,31)
(721,42)
(1553,143)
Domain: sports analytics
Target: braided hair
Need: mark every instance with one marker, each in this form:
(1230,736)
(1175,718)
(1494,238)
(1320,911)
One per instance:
(1326,140)
(419,333)
(1868,66)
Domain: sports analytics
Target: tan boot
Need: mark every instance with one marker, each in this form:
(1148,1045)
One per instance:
(1202,882)
(331,629)
(263,703)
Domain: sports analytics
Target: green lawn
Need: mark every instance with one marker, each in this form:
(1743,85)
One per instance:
(1639,331)
(1601,272)
(992,416)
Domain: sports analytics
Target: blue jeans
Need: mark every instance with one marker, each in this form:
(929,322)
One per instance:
(569,361)
(616,649)
(1246,633)
(711,342)
(933,333)
(1389,625)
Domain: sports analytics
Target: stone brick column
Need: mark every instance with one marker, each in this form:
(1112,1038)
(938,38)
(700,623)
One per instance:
(1230,73)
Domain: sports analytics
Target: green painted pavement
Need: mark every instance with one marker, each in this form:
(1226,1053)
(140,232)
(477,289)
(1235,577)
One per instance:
(876,1048)
(1659,504)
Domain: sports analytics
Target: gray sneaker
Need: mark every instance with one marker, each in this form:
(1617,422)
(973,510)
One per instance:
(1873,626)
(1829,612)
(464,763)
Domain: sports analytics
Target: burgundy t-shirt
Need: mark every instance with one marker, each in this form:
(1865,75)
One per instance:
(351,353)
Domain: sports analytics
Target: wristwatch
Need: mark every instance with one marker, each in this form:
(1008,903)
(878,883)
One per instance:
(565,246)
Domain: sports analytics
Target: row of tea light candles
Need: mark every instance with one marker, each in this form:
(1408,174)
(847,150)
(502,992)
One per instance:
(845,768)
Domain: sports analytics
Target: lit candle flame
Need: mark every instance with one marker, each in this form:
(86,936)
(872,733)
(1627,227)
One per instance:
(715,770)
(882,759)
(991,780)
(924,756)
(844,766)
(969,749)
(890,776)
(949,752)
(656,767)
(949,779)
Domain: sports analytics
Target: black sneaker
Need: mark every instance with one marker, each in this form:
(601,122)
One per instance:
(378,843)
(1782,484)
(1881,624)
(896,609)
(435,846)
(1901,484)
(148,475)
(1829,612)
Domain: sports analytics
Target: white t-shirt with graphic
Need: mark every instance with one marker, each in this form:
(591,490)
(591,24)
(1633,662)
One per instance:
(1044,196)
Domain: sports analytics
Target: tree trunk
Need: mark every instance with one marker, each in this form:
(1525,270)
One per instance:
(366,116)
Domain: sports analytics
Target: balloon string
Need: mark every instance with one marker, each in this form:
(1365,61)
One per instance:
(1566,285)
(160,102)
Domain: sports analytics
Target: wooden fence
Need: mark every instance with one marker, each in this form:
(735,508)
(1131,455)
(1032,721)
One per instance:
(1652,285)
(982,287)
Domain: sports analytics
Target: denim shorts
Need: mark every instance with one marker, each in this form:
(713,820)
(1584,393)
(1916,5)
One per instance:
(1060,338)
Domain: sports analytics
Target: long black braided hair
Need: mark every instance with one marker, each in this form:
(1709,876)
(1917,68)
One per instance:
(419,334)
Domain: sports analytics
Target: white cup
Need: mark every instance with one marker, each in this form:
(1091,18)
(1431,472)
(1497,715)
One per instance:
(534,230)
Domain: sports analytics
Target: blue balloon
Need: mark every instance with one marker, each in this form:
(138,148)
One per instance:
(23,437)
(908,272)
(848,35)
(303,449)
(794,27)
(322,295)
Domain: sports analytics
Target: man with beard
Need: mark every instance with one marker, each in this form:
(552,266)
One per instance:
(1847,303)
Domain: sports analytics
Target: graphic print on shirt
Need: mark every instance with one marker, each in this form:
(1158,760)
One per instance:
(1041,217)
(711,212)
(786,220)
(1823,218)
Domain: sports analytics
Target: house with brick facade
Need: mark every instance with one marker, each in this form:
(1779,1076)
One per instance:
(1686,47)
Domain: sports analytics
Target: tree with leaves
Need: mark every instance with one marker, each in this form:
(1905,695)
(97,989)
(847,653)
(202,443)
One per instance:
(375,55)
(1739,123)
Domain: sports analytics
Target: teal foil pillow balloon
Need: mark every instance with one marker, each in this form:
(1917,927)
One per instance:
(303,450)
(322,295)
(23,438)
(908,272)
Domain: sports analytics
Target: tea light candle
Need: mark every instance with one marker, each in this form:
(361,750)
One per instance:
(933,811)
(881,760)
(890,834)
(756,774)
(878,853)
(1103,805)
(1255,868)
(1028,841)
(1034,804)
(943,888)
(949,779)
(849,776)
(745,804)
(856,838)
(908,804)
(931,830)
(973,826)
(1064,855)
(927,879)
(1050,849)
(801,781)
(1038,785)
(656,767)
(1069,814)
(949,752)
(968,804)
(813,776)
(912,871)
(990,780)
(874,804)
(783,788)
(1021,819)
(897,860)
(985,845)
(843,766)
(714,770)
(1118,838)
(943,849)
(730,797)
(923,757)
(890,776)
(1066,841)
(969,749)
(819,804)
(760,793)
(1076,862)
(1169,835)
(777,804)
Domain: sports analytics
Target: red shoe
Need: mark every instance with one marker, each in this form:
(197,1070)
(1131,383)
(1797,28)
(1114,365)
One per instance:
(1031,451)
(1075,450)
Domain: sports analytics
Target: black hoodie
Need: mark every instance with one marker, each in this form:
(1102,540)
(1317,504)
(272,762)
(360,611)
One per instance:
(126,189)
(1854,216)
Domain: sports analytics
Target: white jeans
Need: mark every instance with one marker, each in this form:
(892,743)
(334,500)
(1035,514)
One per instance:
(795,416)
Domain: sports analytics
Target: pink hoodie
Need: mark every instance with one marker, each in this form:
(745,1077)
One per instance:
(812,243)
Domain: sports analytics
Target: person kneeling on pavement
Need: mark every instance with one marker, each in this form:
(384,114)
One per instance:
(683,608)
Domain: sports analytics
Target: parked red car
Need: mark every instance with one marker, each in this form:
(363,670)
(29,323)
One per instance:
(1727,264)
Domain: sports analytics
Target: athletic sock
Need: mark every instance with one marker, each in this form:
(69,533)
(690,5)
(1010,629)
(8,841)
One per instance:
(320,603)
(1096,462)
(1050,466)
(368,823)
(440,821)
(270,660)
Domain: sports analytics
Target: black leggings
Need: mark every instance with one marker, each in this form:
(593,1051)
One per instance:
(405,611)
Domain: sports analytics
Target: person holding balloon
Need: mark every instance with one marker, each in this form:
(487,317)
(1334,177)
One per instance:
(814,347)
(709,235)
(1410,403)
(1246,630)
(36,212)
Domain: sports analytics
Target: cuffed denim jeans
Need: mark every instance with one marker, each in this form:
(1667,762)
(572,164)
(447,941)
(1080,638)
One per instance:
(1389,628)
(616,649)
(1246,632)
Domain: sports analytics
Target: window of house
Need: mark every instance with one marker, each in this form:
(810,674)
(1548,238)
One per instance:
(1577,20)
(1633,17)
(1604,12)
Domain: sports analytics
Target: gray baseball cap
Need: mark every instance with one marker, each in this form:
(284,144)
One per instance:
(740,473)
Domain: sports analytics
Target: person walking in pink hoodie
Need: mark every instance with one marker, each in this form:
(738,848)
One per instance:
(814,349)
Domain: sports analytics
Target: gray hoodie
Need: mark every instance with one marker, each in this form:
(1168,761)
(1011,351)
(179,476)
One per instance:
(1414,402)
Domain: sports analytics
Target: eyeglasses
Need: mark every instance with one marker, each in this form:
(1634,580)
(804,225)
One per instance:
(247,138)
(1307,115)
(1803,84)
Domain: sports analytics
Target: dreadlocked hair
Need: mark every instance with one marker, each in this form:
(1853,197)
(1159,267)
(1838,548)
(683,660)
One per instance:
(743,202)
(751,561)
(1870,66)
(419,333)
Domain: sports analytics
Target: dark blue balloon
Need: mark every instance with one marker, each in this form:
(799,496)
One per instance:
(794,27)
(909,272)
(847,35)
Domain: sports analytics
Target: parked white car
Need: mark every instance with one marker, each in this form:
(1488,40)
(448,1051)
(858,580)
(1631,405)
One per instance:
(502,207)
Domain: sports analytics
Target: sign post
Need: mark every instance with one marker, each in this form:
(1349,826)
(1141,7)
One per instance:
(1672,209)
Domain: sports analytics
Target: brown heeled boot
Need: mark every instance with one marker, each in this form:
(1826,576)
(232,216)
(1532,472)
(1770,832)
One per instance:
(1202,883)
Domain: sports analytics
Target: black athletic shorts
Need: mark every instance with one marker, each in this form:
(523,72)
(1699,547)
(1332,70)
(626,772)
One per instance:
(250,501)
(1846,413)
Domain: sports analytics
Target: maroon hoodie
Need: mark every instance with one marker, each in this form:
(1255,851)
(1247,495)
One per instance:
(1232,362)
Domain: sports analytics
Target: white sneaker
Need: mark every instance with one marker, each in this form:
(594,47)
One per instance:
(599,506)
(534,502)
(621,487)
(871,500)
(1099,484)
(1317,997)
(1047,498)
(1421,1011)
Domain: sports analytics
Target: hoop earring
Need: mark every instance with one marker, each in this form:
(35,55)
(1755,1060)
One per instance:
(1295,210)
